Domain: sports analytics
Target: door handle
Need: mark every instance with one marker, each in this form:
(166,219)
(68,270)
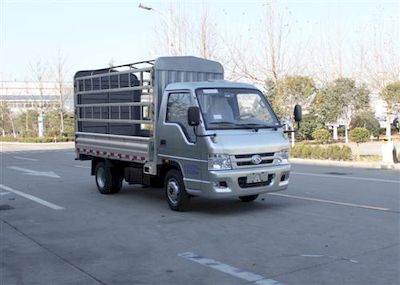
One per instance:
(163,142)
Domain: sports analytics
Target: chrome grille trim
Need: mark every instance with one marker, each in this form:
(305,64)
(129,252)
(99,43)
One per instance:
(244,160)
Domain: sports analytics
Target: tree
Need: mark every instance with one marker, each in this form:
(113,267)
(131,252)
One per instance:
(69,123)
(308,125)
(63,91)
(40,72)
(366,120)
(270,55)
(340,100)
(382,55)
(288,92)
(52,123)
(6,119)
(178,35)
(4,111)
(391,95)
(207,35)
(26,123)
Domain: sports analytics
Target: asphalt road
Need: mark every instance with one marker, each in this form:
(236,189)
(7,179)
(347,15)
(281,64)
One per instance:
(332,226)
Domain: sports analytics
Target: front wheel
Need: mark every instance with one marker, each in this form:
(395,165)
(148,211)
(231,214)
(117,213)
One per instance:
(108,180)
(249,198)
(177,197)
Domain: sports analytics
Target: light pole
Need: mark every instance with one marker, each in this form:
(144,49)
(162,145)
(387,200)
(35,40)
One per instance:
(167,21)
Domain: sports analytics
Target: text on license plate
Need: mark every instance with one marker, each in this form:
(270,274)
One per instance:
(257,177)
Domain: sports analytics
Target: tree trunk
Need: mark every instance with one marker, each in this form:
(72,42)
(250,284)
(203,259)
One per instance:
(346,134)
(62,122)
(3,120)
(388,127)
(13,127)
(335,136)
(40,125)
(26,121)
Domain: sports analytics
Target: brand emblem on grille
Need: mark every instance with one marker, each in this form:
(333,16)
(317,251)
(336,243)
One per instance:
(256,159)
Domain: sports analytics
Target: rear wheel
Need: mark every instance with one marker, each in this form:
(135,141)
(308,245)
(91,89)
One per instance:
(177,197)
(108,180)
(249,198)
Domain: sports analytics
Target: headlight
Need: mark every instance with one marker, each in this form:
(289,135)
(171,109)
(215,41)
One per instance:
(219,162)
(282,157)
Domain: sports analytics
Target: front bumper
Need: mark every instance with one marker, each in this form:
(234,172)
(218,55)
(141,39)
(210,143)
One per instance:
(232,183)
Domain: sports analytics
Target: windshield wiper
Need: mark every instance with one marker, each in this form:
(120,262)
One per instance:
(253,126)
(259,125)
(256,126)
(222,122)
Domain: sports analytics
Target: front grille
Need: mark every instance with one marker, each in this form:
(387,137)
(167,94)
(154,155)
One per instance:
(243,184)
(250,155)
(243,160)
(250,163)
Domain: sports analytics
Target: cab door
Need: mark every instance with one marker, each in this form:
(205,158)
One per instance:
(177,140)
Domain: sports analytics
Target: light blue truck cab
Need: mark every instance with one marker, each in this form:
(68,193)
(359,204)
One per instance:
(238,149)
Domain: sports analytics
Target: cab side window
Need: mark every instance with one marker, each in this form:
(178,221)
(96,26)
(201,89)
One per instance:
(177,107)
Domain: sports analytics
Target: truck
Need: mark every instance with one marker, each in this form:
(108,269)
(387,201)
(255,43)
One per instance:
(175,123)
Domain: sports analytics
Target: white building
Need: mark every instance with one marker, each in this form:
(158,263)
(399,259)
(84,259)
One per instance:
(23,96)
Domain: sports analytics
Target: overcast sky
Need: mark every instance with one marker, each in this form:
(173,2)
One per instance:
(91,33)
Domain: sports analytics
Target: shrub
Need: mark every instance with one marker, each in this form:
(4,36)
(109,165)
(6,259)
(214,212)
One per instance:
(333,152)
(366,120)
(36,139)
(295,151)
(321,135)
(307,151)
(346,153)
(359,135)
(8,139)
(307,126)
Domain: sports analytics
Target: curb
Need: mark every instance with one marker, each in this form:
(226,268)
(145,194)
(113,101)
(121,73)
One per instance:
(19,146)
(359,164)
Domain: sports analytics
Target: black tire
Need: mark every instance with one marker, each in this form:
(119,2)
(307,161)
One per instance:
(108,181)
(177,197)
(249,198)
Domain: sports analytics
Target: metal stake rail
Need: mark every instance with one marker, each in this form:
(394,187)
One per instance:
(86,85)
(108,86)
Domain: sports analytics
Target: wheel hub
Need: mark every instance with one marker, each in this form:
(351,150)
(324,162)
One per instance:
(173,191)
(100,177)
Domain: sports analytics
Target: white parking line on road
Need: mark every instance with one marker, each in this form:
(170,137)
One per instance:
(330,202)
(35,173)
(214,264)
(346,177)
(31,197)
(25,158)
(82,166)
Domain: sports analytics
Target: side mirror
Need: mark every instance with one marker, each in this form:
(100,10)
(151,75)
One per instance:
(193,115)
(297,113)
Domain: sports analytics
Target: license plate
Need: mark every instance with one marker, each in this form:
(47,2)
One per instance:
(257,177)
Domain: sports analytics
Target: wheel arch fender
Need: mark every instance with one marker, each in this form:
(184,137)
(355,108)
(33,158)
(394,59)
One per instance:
(167,166)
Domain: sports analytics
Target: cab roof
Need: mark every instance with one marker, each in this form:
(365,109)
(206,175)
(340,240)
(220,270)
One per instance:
(208,84)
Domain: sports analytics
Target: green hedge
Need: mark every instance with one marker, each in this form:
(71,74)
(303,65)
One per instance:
(35,139)
(8,139)
(332,152)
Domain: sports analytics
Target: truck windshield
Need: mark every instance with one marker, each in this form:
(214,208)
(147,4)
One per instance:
(235,108)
